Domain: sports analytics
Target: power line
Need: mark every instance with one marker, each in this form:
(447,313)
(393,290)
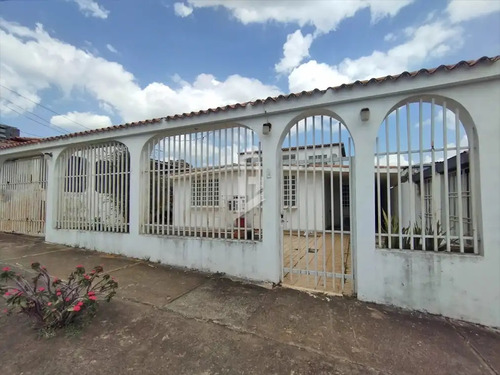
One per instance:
(40,117)
(29,118)
(34,135)
(46,108)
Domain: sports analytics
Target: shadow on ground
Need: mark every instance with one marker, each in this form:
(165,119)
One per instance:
(172,321)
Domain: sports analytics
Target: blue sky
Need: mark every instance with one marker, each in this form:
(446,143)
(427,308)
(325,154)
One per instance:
(86,64)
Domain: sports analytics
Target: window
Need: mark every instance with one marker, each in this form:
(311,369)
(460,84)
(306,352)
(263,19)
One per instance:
(289,191)
(205,192)
(237,203)
(76,175)
(317,158)
(345,196)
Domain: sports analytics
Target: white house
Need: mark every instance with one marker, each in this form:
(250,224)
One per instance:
(348,226)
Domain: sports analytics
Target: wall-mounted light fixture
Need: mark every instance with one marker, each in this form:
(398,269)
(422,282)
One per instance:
(47,155)
(365,114)
(266,128)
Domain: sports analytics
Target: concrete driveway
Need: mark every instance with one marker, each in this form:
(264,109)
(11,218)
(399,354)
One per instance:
(172,321)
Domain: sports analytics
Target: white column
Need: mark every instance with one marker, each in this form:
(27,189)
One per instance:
(52,198)
(135,146)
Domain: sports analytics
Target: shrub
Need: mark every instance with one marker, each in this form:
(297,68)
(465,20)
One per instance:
(55,303)
(409,232)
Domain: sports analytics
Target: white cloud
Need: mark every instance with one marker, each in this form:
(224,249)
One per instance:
(295,50)
(64,66)
(323,15)
(312,74)
(464,10)
(92,8)
(111,48)
(392,160)
(75,120)
(424,42)
(438,119)
(182,10)
(390,37)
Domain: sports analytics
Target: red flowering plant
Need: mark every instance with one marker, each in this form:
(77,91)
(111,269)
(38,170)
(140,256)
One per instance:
(53,302)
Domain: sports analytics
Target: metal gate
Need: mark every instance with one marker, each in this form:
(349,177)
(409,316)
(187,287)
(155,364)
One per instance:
(317,162)
(23,188)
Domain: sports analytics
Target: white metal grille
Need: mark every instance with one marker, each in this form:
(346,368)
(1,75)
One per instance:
(316,184)
(421,148)
(203,184)
(23,187)
(94,188)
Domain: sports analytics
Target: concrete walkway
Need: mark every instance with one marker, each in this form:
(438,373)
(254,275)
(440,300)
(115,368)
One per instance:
(171,321)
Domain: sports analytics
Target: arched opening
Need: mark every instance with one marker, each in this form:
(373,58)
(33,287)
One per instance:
(205,183)
(424,178)
(317,157)
(94,188)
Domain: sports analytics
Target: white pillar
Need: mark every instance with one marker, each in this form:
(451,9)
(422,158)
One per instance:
(135,146)
(52,198)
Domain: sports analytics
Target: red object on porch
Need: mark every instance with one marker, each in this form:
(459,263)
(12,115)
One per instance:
(240,222)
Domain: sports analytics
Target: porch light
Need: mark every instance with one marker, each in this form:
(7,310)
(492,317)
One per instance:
(365,114)
(266,128)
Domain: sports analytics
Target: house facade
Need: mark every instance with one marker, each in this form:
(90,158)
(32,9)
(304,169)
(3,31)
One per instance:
(427,243)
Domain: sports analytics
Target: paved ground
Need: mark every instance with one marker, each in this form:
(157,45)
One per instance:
(171,321)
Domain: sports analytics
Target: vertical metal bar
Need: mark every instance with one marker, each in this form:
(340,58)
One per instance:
(410,175)
(332,201)
(118,168)
(184,197)
(379,200)
(75,189)
(226,184)
(232,182)
(195,188)
(315,203)
(388,182)
(472,190)
(245,185)
(170,160)
(298,191)
(341,198)
(290,200)
(126,179)
(114,192)
(434,192)
(421,168)
(323,214)
(400,201)
(158,183)
(459,180)
(165,192)
(187,202)
(219,174)
(446,180)
(351,210)
(306,201)
(212,206)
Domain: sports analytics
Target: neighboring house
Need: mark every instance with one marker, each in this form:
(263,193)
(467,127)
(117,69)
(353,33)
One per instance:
(220,197)
(431,185)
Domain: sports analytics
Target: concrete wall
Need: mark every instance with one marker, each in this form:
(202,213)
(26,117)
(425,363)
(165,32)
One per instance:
(455,285)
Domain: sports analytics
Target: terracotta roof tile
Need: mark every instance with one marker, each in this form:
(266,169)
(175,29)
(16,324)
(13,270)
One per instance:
(466,64)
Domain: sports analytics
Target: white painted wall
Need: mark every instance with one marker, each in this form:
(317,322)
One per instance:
(242,182)
(455,285)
